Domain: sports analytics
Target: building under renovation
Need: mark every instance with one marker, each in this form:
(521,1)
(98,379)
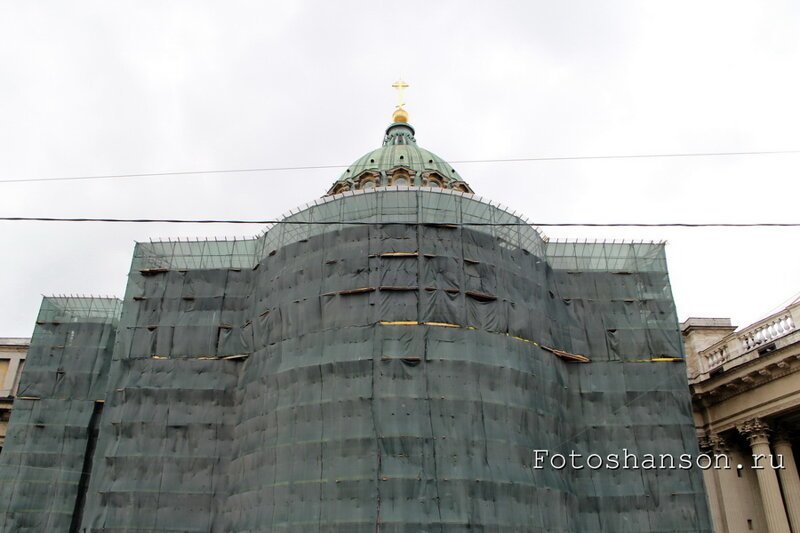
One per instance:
(395,356)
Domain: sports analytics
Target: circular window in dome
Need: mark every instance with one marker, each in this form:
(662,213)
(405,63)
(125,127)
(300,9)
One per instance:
(401,181)
(369,184)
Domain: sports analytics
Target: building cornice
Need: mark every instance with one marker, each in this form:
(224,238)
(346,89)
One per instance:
(747,376)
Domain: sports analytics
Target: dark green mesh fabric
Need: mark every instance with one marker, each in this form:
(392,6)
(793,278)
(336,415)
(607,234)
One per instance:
(395,376)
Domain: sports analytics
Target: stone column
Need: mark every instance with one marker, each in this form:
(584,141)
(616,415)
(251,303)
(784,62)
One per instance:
(715,444)
(757,433)
(790,481)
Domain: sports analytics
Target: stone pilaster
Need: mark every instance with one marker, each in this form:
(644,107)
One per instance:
(757,433)
(790,481)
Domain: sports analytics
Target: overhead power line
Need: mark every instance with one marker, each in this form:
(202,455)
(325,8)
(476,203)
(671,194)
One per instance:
(455,162)
(442,223)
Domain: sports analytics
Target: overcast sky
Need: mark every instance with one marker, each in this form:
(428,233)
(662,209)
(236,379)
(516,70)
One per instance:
(95,88)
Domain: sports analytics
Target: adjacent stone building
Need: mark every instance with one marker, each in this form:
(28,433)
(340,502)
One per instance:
(12,360)
(746,396)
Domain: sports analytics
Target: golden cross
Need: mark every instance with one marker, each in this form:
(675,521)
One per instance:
(400,85)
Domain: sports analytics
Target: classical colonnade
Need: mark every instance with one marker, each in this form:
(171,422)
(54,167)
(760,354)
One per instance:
(779,488)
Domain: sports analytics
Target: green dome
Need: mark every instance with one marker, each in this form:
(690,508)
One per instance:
(399,162)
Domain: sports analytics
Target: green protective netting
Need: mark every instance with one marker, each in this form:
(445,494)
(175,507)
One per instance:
(43,467)
(428,206)
(395,376)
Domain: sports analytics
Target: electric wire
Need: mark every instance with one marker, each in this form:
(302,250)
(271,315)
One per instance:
(454,162)
(437,223)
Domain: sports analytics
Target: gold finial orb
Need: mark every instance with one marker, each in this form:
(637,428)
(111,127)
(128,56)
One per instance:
(400,115)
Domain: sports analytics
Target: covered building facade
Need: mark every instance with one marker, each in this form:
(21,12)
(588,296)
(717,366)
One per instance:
(387,358)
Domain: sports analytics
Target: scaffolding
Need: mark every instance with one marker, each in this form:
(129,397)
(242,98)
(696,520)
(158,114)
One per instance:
(387,360)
